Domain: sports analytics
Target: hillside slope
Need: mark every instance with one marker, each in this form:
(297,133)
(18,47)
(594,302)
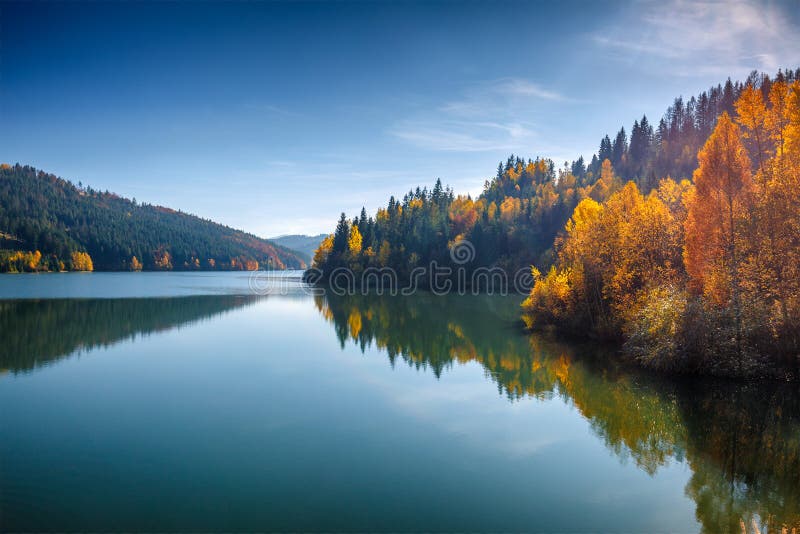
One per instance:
(42,212)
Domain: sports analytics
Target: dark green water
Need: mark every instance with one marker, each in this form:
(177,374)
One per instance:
(204,407)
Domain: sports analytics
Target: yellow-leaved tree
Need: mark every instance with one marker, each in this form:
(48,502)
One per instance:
(355,241)
(81,261)
(610,254)
(321,254)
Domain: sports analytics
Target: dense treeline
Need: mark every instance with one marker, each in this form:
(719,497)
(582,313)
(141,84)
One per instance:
(669,148)
(741,441)
(515,221)
(701,276)
(49,224)
(511,225)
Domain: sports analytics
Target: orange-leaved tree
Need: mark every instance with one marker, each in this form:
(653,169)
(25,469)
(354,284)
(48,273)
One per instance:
(718,224)
(718,215)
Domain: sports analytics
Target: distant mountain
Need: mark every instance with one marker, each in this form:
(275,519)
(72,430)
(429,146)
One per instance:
(304,244)
(48,223)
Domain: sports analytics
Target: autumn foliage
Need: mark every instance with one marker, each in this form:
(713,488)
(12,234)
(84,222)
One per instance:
(81,261)
(719,215)
(610,253)
(701,276)
(21,261)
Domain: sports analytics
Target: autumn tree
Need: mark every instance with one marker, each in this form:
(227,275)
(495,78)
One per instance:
(606,184)
(322,252)
(355,241)
(762,125)
(162,259)
(81,261)
(719,211)
(753,117)
(716,228)
(463,215)
(779,198)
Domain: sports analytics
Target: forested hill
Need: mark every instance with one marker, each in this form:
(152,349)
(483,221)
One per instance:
(522,210)
(48,223)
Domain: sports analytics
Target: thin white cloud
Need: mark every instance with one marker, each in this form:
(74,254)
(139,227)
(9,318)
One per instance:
(686,38)
(461,136)
(525,88)
(487,117)
(500,96)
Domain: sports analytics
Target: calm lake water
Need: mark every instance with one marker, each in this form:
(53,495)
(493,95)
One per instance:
(201,406)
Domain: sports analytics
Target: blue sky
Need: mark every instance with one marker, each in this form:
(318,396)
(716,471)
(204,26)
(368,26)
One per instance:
(275,117)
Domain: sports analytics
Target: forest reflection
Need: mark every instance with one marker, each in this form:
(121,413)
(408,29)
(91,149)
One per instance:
(740,440)
(34,333)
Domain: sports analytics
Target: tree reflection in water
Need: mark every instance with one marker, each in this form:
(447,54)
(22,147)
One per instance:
(34,333)
(741,440)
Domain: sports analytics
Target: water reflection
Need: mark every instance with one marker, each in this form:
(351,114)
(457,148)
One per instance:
(34,333)
(741,441)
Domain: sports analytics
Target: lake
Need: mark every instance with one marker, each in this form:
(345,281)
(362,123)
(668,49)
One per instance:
(200,401)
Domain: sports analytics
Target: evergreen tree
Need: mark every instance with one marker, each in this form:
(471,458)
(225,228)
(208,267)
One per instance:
(341,235)
(619,149)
